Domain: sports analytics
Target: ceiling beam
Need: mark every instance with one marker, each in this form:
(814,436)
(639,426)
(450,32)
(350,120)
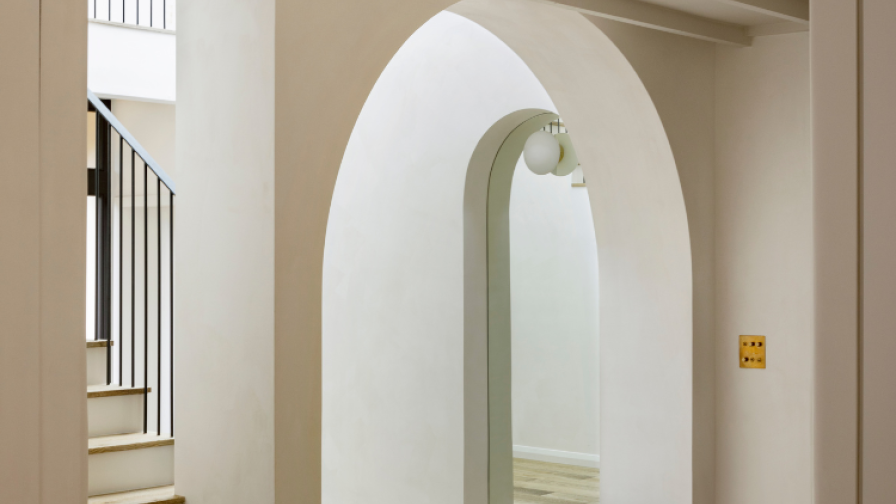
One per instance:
(660,18)
(782,28)
(789,10)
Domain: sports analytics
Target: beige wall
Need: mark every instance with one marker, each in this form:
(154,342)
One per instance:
(224,349)
(700,90)
(764,275)
(42,306)
(835,183)
(298,313)
(311,113)
(878,208)
(43,414)
(679,74)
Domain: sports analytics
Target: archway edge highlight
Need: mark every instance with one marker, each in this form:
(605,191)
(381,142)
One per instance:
(488,443)
(641,225)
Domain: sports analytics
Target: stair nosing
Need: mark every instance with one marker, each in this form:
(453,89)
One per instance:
(117,392)
(98,344)
(139,445)
(173,499)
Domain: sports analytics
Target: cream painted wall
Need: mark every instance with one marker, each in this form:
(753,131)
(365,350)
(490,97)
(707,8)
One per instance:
(679,74)
(224,367)
(153,125)
(555,317)
(764,271)
(393,266)
(43,411)
(698,93)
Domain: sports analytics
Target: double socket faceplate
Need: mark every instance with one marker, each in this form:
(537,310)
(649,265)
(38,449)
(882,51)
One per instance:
(752,352)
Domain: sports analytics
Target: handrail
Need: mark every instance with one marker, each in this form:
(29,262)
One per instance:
(129,138)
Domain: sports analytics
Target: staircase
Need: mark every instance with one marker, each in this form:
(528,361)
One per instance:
(124,464)
(129,390)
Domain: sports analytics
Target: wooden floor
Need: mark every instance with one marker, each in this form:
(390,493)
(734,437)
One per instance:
(537,482)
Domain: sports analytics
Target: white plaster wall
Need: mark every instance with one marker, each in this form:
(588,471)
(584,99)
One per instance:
(131,63)
(679,74)
(393,265)
(555,322)
(764,271)
(224,361)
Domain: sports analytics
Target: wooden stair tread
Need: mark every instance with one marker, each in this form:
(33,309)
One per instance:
(158,495)
(99,344)
(125,442)
(94,391)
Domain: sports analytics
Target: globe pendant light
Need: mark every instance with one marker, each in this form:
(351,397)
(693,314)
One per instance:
(542,152)
(568,160)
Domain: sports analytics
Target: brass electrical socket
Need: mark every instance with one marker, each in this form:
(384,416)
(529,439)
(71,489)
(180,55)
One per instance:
(752,352)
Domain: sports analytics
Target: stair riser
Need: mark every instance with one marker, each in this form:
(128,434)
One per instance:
(107,416)
(130,470)
(96,366)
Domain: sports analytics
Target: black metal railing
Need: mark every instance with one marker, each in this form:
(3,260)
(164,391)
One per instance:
(134,262)
(147,13)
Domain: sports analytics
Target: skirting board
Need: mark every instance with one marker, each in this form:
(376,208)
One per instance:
(556,456)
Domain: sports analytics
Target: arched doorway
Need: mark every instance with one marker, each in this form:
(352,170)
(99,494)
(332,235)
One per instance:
(641,228)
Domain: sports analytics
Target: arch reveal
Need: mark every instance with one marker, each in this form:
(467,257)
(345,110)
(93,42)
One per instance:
(637,204)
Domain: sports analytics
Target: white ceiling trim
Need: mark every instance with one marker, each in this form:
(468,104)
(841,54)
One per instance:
(661,18)
(789,10)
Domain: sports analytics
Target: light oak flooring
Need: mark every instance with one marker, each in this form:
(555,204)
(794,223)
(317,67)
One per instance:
(536,482)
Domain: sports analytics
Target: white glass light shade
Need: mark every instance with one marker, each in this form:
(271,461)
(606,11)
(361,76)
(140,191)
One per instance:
(542,152)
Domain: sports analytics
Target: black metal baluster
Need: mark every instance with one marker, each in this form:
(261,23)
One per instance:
(107,242)
(145,293)
(122,10)
(138,12)
(159,289)
(133,266)
(94,9)
(120,258)
(150,13)
(98,228)
(109,11)
(164,14)
(171,310)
